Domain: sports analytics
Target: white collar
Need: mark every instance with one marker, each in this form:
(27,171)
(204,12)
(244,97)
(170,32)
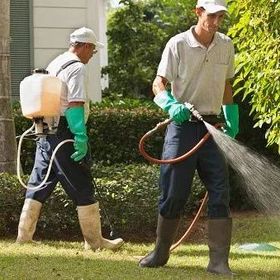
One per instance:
(192,41)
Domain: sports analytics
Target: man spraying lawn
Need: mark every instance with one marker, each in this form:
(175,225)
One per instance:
(199,64)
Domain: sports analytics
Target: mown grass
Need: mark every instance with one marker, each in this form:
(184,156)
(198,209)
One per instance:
(67,260)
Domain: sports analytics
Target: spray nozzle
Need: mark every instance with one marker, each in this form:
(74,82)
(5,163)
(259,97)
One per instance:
(193,111)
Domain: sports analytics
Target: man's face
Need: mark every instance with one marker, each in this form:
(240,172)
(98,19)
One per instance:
(210,22)
(87,52)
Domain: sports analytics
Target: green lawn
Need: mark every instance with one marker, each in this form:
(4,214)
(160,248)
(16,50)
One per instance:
(67,260)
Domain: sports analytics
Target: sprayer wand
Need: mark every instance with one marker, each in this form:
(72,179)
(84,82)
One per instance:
(194,112)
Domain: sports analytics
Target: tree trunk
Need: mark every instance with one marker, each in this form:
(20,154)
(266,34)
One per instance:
(7,128)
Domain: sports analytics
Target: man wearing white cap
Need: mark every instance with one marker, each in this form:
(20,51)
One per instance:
(199,64)
(71,166)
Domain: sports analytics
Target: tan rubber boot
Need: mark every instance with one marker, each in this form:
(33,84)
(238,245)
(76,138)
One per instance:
(90,224)
(28,220)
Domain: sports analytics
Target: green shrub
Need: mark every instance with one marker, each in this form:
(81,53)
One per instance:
(140,29)
(10,203)
(115,134)
(58,212)
(257,61)
(28,144)
(129,193)
(114,128)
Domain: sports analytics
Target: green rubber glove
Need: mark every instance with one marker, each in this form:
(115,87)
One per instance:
(177,111)
(75,117)
(231,114)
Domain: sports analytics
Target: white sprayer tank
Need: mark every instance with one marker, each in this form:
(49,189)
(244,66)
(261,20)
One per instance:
(40,95)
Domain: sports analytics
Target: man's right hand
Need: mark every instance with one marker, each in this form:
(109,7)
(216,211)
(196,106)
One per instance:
(177,111)
(75,117)
(80,146)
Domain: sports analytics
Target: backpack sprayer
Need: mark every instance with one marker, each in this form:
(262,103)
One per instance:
(161,125)
(40,98)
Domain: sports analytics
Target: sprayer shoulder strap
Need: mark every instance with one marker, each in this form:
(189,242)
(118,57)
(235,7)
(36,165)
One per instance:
(65,65)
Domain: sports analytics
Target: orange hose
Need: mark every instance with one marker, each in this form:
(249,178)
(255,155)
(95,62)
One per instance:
(190,228)
(172,161)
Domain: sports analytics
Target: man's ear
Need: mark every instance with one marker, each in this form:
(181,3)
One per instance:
(199,11)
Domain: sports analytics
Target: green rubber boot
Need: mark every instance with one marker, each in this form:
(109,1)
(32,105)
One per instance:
(166,232)
(219,238)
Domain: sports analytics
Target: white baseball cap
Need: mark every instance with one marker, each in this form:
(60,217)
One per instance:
(85,35)
(212,6)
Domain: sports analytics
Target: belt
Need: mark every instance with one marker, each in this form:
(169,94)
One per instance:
(212,119)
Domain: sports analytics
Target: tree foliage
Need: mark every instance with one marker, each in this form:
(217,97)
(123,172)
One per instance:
(256,37)
(139,30)
(137,33)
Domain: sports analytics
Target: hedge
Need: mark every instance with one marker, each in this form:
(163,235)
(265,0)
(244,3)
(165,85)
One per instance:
(129,193)
(127,184)
(114,129)
(116,126)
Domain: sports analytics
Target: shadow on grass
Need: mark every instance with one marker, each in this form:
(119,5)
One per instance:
(81,267)
(233,254)
(58,267)
(66,260)
(238,273)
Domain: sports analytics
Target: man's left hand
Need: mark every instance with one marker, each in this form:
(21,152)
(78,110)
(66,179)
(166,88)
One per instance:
(231,114)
